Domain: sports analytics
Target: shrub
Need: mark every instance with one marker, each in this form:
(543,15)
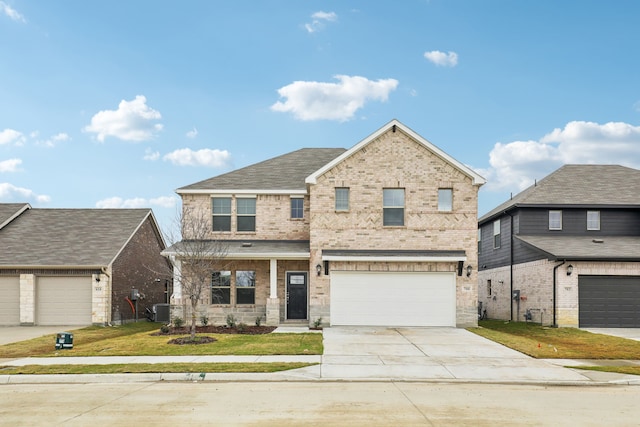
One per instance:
(258,320)
(178,322)
(231,320)
(317,323)
(164,329)
(242,327)
(204,319)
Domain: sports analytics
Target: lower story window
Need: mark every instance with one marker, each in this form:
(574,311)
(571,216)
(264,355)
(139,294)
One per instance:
(221,287)
(245,287)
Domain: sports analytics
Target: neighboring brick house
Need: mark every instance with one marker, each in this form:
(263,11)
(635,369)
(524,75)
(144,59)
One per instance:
(381,234)
(565,251)
(79,266)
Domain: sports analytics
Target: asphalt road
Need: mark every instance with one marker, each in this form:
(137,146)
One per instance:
(315,404)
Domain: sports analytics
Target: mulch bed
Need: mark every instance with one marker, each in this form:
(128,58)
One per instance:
(187,340)
(210,329)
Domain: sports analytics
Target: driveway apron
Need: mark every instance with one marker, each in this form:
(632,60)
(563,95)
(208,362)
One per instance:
(382,353)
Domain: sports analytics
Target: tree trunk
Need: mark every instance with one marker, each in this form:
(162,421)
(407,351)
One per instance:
(194,307)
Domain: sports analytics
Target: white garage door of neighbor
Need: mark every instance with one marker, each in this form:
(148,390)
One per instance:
(9,301)
(63,301)
(393,298)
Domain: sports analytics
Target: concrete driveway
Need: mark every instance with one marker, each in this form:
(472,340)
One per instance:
(380,353)
(9,334)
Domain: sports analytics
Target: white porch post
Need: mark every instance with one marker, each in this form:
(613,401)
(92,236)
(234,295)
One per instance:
(273,303)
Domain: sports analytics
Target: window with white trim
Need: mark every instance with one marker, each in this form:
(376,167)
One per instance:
(593,220)
(221,210)
(221,287)
(555,220)
(342,199)
(496,234)
(246,214)
(297,208)
(479,240)
(445,199)
(393,206)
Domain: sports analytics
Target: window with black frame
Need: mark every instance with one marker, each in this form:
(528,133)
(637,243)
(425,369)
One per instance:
(221,287)
(245,287)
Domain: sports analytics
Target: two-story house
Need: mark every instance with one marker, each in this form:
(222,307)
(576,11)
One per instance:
(565,251)
(383,233)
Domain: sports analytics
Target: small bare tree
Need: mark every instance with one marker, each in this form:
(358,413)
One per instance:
(195,256)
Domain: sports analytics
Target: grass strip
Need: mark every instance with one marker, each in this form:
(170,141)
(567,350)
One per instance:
(141,368)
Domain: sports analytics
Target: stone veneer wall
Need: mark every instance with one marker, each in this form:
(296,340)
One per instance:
(394,160)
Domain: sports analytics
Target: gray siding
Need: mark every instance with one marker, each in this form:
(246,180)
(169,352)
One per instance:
(613,222)
(489,256)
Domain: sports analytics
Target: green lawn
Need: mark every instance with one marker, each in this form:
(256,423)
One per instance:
(137,339)
(562,343)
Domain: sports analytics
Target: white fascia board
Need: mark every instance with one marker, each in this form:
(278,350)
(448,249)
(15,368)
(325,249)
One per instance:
(393,258)
(243,192)
(477,179)
(270,255)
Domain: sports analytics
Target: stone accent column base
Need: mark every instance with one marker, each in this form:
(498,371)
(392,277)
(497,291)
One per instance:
(273,311)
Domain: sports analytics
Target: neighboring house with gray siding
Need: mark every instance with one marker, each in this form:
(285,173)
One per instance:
(565,251)
(383,233)
(78,266)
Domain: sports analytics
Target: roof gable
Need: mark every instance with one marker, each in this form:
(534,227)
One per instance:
(69,237)
(578,185)
(10,211)
(394,126)
(283,174)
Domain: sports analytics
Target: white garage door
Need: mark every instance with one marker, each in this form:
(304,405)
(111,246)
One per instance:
(63,301)
(9,301)
(393,299)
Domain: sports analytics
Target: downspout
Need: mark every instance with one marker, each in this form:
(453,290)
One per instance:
(554,291)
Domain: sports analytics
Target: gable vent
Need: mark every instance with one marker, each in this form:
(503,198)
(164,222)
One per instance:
(247,244)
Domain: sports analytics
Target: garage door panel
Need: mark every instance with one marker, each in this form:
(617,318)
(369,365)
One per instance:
(392,299)
(64,301)
(609,301)
(9,301)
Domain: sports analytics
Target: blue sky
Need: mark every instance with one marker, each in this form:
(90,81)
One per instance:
(117,104)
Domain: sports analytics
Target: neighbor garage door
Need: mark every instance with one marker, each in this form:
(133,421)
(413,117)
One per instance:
(393,299)
(609,301)
(9,301)
(63,301)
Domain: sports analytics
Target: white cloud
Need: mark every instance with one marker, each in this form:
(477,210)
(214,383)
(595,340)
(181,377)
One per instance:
(192,133)
(442,59)
(10,165)
(136,203)
(10,136)
(319,20)
(10,192)
(51,142)
(332,101)
(151,155)
(11,13)
(516,165)
(132,121)
(204,157)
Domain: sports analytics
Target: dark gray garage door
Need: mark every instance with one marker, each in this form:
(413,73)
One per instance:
(609,301)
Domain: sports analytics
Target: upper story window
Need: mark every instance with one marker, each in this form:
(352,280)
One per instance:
(221,287)
(221,213)
(246,213)
(393,206)
(593,220)
(297,208)
(342,199)
(496,234)
(445,199)
(245,287)
(555,220)
(479,240)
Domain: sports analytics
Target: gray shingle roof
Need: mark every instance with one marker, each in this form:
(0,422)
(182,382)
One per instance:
(286,172)
(68,237)
(8,210)
(578,248)
(579,185)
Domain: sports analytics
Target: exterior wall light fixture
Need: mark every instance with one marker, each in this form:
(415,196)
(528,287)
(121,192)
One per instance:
(318,269)
(469,268)
(569,269)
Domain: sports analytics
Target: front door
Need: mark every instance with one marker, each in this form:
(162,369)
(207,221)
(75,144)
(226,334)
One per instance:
(297,296)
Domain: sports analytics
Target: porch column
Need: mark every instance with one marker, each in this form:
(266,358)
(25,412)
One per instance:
(273,303)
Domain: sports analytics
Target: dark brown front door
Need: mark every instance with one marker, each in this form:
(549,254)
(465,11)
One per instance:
(297,296)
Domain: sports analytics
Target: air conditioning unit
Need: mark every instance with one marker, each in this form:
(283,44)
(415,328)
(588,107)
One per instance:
(162,312)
